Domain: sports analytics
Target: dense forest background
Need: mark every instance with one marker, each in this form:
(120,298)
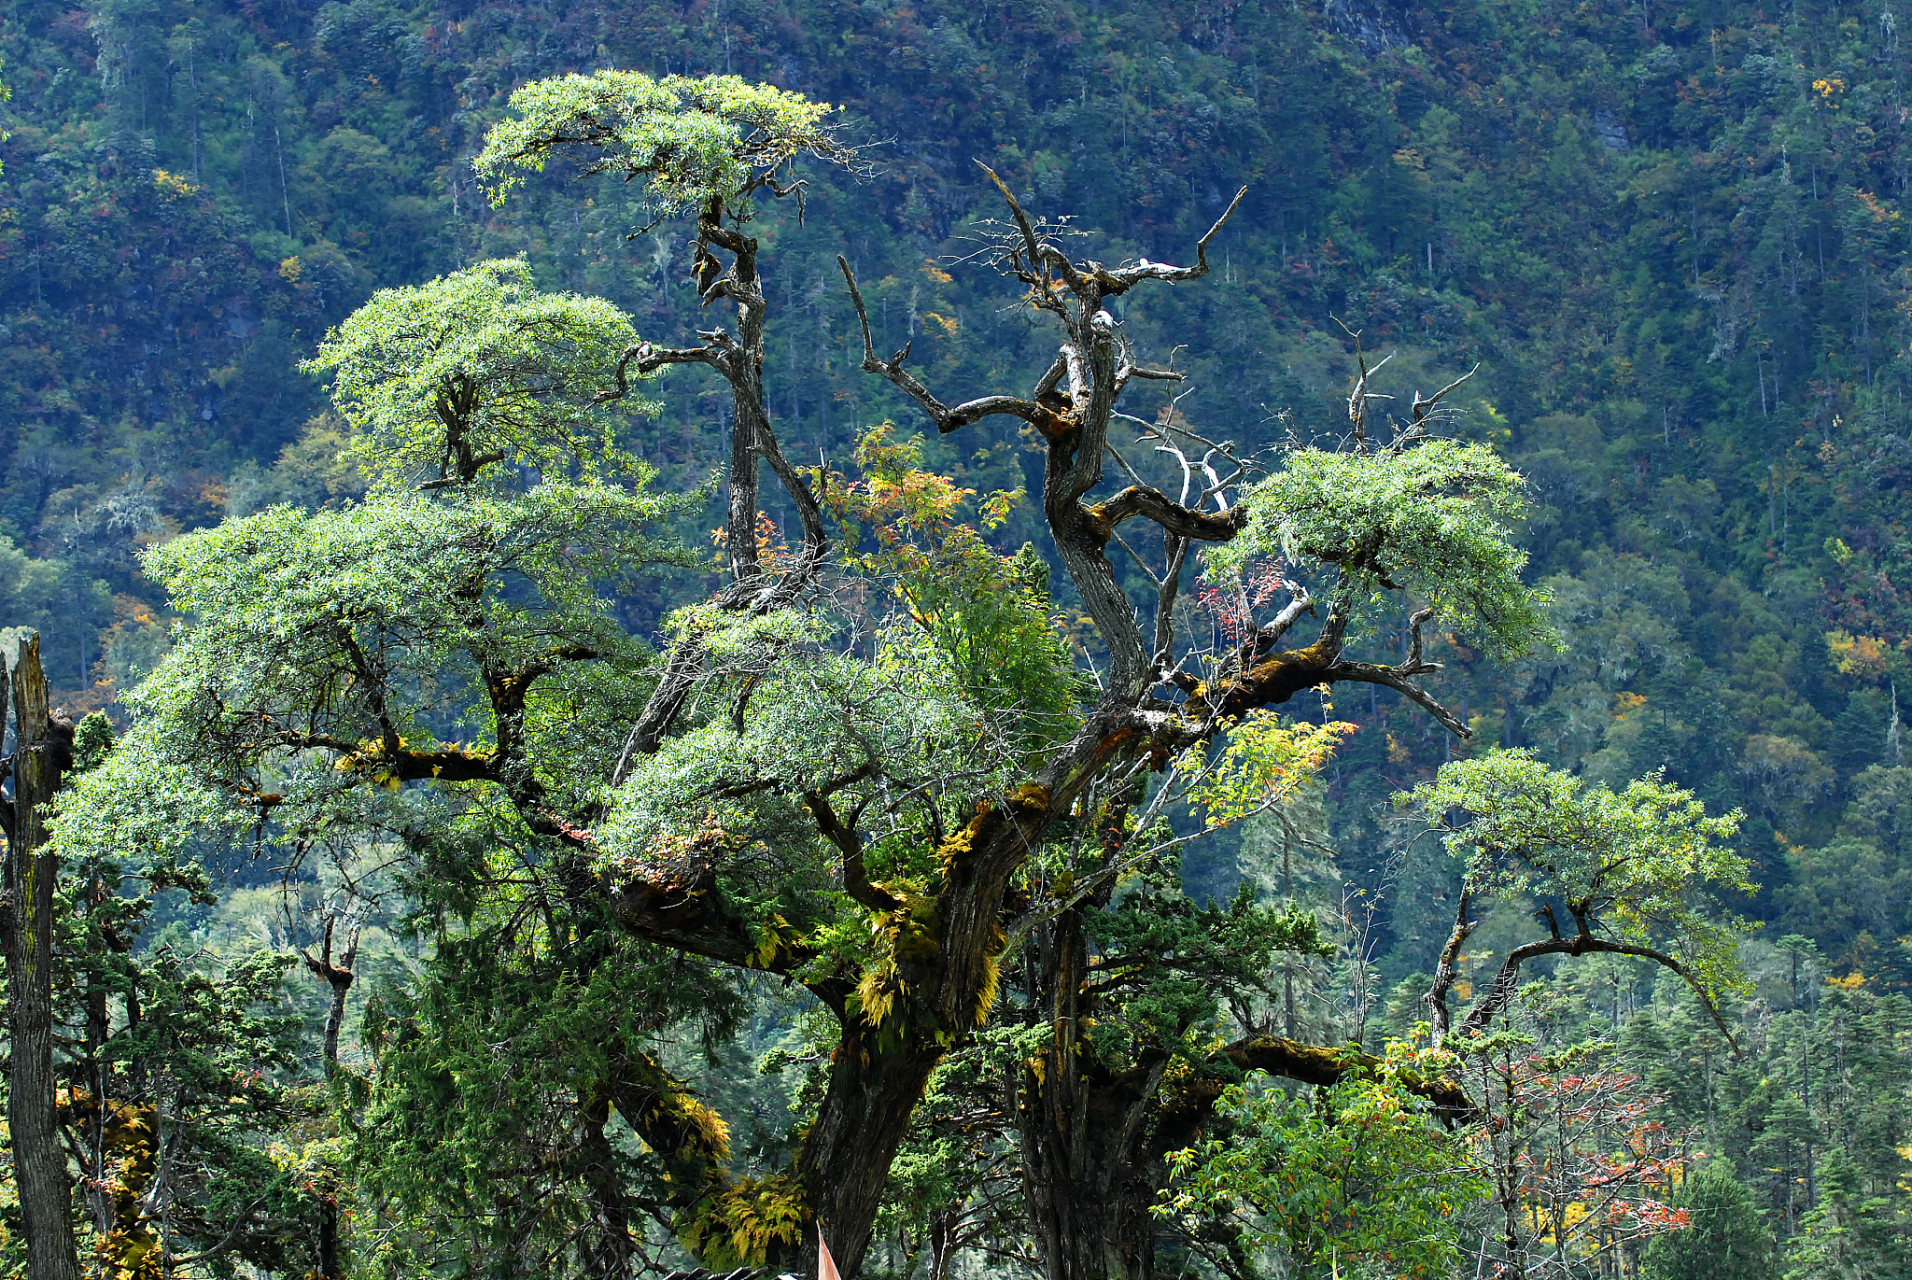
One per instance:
(1671,237)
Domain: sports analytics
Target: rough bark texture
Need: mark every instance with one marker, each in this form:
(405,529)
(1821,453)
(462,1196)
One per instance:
(40,754)
(1084,1132)
(846,1156)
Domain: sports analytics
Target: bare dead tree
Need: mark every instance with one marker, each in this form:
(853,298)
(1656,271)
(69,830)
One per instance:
(42,751)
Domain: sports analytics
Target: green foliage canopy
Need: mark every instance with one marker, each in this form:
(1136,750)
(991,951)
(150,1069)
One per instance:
(329,657)
(690,139)
(1646,862)
(446,381)
(1432,518)
(1355,1181)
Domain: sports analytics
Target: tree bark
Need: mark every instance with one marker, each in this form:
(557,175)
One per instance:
(939,989)
(26,932)
(1084,1131)
(339,979)
(845,1162)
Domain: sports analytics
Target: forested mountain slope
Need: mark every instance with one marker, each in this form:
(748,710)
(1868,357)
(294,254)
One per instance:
(1671,237)
(1672,241)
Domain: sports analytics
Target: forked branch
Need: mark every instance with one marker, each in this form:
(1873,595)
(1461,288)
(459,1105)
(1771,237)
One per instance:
(946,418)
(1498,996)
(1125,278)
(1143,500)
(1417,427)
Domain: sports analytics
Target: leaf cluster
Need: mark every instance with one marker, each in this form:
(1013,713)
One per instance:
(687,139)
(477,373)
(1353,1181)
(1433,518)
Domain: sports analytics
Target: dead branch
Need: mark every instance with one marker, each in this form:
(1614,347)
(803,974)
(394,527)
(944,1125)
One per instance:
(947,419)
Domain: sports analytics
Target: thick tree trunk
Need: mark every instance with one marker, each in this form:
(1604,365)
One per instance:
(1083,1131)
(846,1158)
(39,1160)
(940,988)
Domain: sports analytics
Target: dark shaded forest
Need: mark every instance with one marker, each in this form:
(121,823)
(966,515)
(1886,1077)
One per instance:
(1670,237)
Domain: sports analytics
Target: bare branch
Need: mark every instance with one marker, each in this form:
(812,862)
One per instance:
(1422,406)
(1417,428)
(1414,664)
(1166,592)
(1140,563)
(947,419)
(1142,500)
(1277,627)
(1369,673)
(1123,279)
(1501,993)
(1127,469)
(1052,377)
(1446,970)
(1031,245)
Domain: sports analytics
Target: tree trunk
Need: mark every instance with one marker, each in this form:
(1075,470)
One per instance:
(939,986)
(1083,1132)
(1087,1192)
(339,979)
(39,1161)
(846,1157)
(607,1253)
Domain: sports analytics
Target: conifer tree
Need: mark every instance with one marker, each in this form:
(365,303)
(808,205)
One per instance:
(1727,1239)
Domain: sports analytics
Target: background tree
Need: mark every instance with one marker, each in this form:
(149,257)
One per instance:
(1727,1237)
(1581,1172)
(1635,873)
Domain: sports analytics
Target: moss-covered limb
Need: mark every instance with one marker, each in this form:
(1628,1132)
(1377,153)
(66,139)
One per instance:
(1325,1065)
(1188,1109)
(1261,676)
(688,1136)
(1261,680)
(687,911)
(725,1219)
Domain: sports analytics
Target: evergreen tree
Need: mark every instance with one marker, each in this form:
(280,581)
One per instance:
(1727,1240)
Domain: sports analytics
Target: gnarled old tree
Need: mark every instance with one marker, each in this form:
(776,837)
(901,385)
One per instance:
(1414,513)
(600,828)
(1634,873)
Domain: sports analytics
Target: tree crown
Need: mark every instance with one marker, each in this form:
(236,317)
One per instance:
(690,139)
(1646,861)
(1431,517)
(477,372)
